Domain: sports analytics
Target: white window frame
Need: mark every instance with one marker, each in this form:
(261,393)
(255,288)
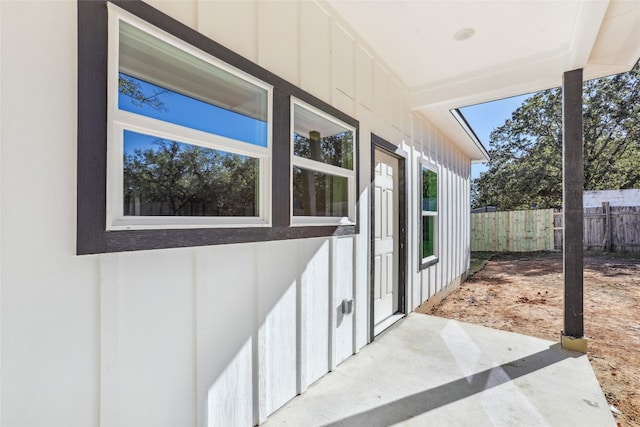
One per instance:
(321,167)
(433,167)
(119,120)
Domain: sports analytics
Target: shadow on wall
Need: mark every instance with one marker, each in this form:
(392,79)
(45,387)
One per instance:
(263,333)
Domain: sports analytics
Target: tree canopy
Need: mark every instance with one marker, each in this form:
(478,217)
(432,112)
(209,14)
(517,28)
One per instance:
(525,169)
(171,178)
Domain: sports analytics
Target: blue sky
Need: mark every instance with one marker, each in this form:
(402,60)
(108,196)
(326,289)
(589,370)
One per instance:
(484,118)
(185,111)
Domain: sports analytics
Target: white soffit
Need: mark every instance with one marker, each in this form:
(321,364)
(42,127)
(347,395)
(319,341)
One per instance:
(519,46)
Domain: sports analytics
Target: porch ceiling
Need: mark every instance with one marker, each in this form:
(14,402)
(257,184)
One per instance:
(517,47)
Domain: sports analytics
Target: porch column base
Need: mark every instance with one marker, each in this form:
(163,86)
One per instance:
(578,344)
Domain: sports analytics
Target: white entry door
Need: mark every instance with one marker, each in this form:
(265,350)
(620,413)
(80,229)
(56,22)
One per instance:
(385,280)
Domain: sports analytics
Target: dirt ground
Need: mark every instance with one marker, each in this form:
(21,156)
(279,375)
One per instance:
(524,293)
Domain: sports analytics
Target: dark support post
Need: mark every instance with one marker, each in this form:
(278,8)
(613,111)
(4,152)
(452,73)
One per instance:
(572,188)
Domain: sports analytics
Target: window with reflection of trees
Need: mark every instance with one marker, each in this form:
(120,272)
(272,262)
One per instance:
(192,133)
(170,178)
(323,165)
(429,204)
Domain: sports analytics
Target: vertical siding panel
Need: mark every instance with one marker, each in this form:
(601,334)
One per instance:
(455,215)
(428,285)
(277,318)
(446,172)
(109,271)
(343,61)
(414,255)
(278,36)
(456,246)
(344,103)
(343,254)
(421,140)
(315,50)
(224,355)
(460,246)
(467,186)
(364,82)
(361,297)
(397,111)
(314,310)
(421,135)
(230,23)
(381,105)
(156,338)
(467,218)
(407,118)
(437,148)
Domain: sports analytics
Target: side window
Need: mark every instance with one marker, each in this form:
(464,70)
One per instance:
(189,135)
(429,214)
(323,168)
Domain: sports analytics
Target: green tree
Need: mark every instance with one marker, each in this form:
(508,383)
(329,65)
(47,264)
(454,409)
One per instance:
(180,179)
(526,152)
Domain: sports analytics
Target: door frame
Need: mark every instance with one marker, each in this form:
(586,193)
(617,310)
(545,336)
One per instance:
(380,144)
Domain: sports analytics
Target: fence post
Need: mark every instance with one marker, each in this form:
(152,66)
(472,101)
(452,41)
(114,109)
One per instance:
(606,244)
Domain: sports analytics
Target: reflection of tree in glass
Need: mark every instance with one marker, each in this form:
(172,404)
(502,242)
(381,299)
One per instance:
(429,190)
(336,150)
(130,87)
(319,194)
(175,179)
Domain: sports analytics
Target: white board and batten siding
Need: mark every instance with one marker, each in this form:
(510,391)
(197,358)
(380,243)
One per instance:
(221,335)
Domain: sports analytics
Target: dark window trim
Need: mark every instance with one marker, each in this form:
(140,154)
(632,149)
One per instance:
(92,236)
(429,263)
(436,258)
(392,150)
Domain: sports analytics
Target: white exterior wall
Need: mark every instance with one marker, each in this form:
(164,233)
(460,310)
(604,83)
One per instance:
(594,199)
(219,335)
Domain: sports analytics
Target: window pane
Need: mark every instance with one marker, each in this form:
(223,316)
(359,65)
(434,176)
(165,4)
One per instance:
(319,194)
(323,140)
(161,81)
(140,97)
(428,236)
(170,178)
(429,190)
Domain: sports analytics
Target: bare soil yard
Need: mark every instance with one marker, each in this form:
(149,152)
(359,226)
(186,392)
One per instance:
(524,293)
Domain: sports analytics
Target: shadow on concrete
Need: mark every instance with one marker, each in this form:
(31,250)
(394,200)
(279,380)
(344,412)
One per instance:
(427,400)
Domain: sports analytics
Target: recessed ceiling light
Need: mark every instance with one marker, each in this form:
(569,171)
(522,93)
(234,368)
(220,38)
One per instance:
(464,34)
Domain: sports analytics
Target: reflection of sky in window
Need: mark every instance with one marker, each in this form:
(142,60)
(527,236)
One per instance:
(134,141)
(143,142)
(185,111)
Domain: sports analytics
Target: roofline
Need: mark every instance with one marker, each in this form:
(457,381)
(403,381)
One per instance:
(455,112)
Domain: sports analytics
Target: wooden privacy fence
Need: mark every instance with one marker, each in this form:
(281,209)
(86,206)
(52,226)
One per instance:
(607,228)
(512,231)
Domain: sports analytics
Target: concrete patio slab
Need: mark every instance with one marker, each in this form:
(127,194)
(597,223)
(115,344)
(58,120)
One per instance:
(430,371)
